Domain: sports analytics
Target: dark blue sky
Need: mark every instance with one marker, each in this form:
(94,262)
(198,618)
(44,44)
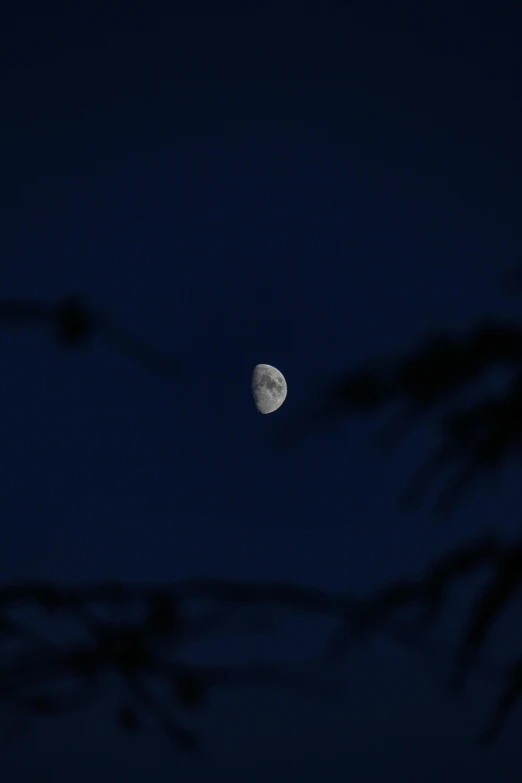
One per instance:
(307,188)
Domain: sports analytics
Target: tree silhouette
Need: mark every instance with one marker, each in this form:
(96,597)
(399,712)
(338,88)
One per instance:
(39,677)
(477,439)
(74,323)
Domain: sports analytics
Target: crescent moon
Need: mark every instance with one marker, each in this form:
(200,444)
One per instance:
(268,388)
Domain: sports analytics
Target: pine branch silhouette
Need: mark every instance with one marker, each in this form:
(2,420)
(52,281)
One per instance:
(510,695)
(74,323)
(478,438)
(429,595)
(40,678)
(481,438)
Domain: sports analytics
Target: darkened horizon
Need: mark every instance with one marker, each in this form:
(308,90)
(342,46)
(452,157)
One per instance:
(309,190)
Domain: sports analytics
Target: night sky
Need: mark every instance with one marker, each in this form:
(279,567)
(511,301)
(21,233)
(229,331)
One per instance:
(307,188)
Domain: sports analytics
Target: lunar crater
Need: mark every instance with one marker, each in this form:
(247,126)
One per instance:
(268,388)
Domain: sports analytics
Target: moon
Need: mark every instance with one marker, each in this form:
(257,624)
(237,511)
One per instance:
(268,388)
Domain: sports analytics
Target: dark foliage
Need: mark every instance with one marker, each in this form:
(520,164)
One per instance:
(74,323)
(430,593)
(39,677)
(477,439)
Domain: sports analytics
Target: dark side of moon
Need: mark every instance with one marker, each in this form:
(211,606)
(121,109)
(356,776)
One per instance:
(268,388)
